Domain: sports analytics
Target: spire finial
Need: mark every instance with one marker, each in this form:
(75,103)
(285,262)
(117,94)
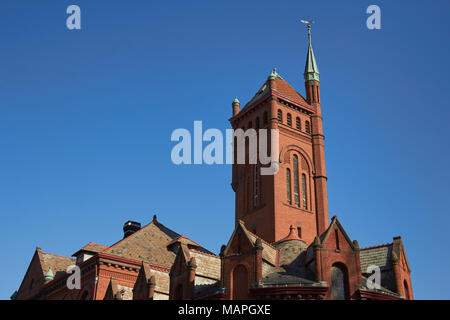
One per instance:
(311,69)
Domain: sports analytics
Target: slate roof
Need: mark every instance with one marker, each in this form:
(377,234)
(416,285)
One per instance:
(57,263)
(289,276)
(149,244)
(290,270)
(382,289)
(92,247)
(207,290)
(379,256)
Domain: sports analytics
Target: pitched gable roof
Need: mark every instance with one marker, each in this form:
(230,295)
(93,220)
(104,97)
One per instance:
(269,252)
(57,263)
(92,247)
(147,244)
(39,266)
(151,244)
(275,85)
(336,224)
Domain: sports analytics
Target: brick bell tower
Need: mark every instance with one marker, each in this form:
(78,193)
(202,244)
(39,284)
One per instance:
(297,194)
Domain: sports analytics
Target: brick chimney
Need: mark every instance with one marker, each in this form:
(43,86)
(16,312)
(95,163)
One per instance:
(130,227)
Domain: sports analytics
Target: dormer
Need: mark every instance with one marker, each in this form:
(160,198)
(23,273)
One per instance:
(88,251)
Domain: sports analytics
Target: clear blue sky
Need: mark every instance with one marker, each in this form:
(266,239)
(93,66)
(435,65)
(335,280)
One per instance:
(86,118)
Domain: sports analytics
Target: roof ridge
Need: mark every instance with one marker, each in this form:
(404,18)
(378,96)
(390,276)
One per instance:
(264,241)
(131,235)
(378,246)
(56,255)
(204,253)
(93,243)
(183,236)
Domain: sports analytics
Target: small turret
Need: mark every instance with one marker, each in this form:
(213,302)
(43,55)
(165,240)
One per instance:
(236,106)
(49,275)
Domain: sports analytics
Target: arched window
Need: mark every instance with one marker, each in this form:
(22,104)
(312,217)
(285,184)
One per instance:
(255,185)
(280,116)
(298,124)
(304,199)
(289,120)
(240,283)
(288,185)
(406,288)
(339,282)
(307,127)
(265,117)
(296,186)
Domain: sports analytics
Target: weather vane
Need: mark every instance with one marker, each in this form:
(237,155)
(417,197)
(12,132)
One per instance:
(308,22)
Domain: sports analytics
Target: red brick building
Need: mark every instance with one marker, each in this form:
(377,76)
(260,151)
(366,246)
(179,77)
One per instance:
(284,245)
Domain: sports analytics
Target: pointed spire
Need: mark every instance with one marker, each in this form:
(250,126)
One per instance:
(311,69)
(236,101)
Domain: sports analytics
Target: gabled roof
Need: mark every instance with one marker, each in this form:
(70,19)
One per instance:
(57,263)
(335,223)
(184,240)
(275,85)
(151,244)
(92,247)
(40,265)
(147,244)
(269,252)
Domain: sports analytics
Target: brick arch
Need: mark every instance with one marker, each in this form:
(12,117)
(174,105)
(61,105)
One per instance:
(292,147)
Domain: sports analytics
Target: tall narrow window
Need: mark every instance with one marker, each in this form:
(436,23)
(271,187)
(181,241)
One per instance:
(298,124)
(296,187)
(336,234)
(288,185)
(299,232)
(307,127)
(257,123)
(280,116)
(265,117)
(255,186)
(289,120)
(304,199)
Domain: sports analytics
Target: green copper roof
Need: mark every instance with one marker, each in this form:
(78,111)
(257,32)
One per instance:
(236,101)
(49,275)
(311,69)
